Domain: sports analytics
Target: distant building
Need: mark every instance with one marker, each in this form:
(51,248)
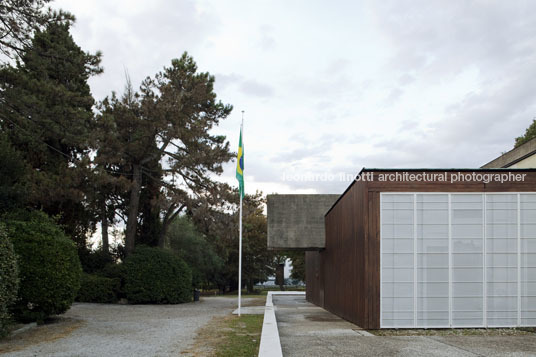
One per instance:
(522,157)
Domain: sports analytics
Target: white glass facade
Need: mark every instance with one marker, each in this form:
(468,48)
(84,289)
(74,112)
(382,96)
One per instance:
(458,260)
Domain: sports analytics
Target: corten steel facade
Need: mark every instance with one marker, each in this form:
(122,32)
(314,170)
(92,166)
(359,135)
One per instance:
(346,277)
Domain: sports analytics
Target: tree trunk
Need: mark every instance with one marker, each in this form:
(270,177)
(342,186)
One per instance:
(133,208)
(165,224)
(250,286)
(162,236)
(104,228)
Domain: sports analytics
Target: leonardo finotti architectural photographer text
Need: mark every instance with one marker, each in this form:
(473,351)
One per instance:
(411,176)
(452,177)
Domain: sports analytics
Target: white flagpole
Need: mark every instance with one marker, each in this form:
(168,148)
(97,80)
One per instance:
(240,229)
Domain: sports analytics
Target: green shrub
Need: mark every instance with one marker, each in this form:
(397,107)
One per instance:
(48,265)
(117,272)
(96,288)
(157,276)
(9,280)
(94,261)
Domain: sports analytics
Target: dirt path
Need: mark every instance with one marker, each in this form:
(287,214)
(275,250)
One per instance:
(120,330)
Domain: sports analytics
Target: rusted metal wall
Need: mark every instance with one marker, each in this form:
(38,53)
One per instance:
(347,264)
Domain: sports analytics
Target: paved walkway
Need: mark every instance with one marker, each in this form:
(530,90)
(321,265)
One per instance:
(123,330)
(307,330)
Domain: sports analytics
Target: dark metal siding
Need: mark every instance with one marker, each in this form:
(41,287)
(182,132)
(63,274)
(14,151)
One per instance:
(314,276)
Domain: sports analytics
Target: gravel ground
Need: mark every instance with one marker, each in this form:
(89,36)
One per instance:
(127,330)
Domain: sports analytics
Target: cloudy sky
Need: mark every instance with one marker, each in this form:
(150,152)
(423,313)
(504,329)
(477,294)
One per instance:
(331,87)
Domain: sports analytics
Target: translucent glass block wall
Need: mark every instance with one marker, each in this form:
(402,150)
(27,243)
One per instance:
(458,260)
(501,260)
(397,274)
(528,259)
(467,263)
(432,260)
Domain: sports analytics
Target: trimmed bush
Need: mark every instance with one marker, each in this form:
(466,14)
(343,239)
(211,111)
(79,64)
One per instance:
(118,273)
(157,276)
(9,280)
(49,267)
(94,261)
(96,288)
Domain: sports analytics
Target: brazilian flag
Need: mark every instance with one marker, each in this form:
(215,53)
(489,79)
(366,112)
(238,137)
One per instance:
(240,166)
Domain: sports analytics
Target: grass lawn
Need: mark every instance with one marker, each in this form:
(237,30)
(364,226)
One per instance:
(241,337)
(229,336)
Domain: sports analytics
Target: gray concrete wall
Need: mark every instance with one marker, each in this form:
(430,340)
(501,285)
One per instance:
(513,156)
(297,221)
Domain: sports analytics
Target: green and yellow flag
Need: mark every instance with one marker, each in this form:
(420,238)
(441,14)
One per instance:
(240,166)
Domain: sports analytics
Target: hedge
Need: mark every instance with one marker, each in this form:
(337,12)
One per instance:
(157,276)
(48,264)
(117,272)
(9,280)
(96,288)
(94,261)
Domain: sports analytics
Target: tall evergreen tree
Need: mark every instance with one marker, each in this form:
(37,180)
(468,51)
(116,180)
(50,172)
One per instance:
(168,122)
(46,112)
(13,177)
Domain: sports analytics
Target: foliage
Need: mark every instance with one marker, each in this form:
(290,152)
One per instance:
(48,264)
(195,250)
(95,288)
(116,271)
(47,115)
(221,229)
(155,275)
(257,260)
(13,175)
(530,134)
(94,261)
(18,21)
(9,279)
(169,121)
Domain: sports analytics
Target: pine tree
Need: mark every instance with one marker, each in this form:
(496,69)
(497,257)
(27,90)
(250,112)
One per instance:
(47,115)
(167,123)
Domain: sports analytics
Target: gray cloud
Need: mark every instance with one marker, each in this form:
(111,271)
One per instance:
(446,37)
(393,96)
(433,43)
(249,87)
(254,88)
(266,41)
(141,37)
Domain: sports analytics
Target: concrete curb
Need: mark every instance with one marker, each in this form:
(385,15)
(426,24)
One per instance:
(270,343)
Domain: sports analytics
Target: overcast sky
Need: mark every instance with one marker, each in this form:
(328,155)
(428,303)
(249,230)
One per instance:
(329,87)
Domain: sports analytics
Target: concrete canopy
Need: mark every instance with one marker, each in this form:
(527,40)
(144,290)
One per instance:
(297,221)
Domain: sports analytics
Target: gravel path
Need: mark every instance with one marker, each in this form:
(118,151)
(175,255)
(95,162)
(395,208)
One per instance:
(132,330)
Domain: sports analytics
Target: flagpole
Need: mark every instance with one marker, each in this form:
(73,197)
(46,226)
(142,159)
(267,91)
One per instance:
(240,236)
